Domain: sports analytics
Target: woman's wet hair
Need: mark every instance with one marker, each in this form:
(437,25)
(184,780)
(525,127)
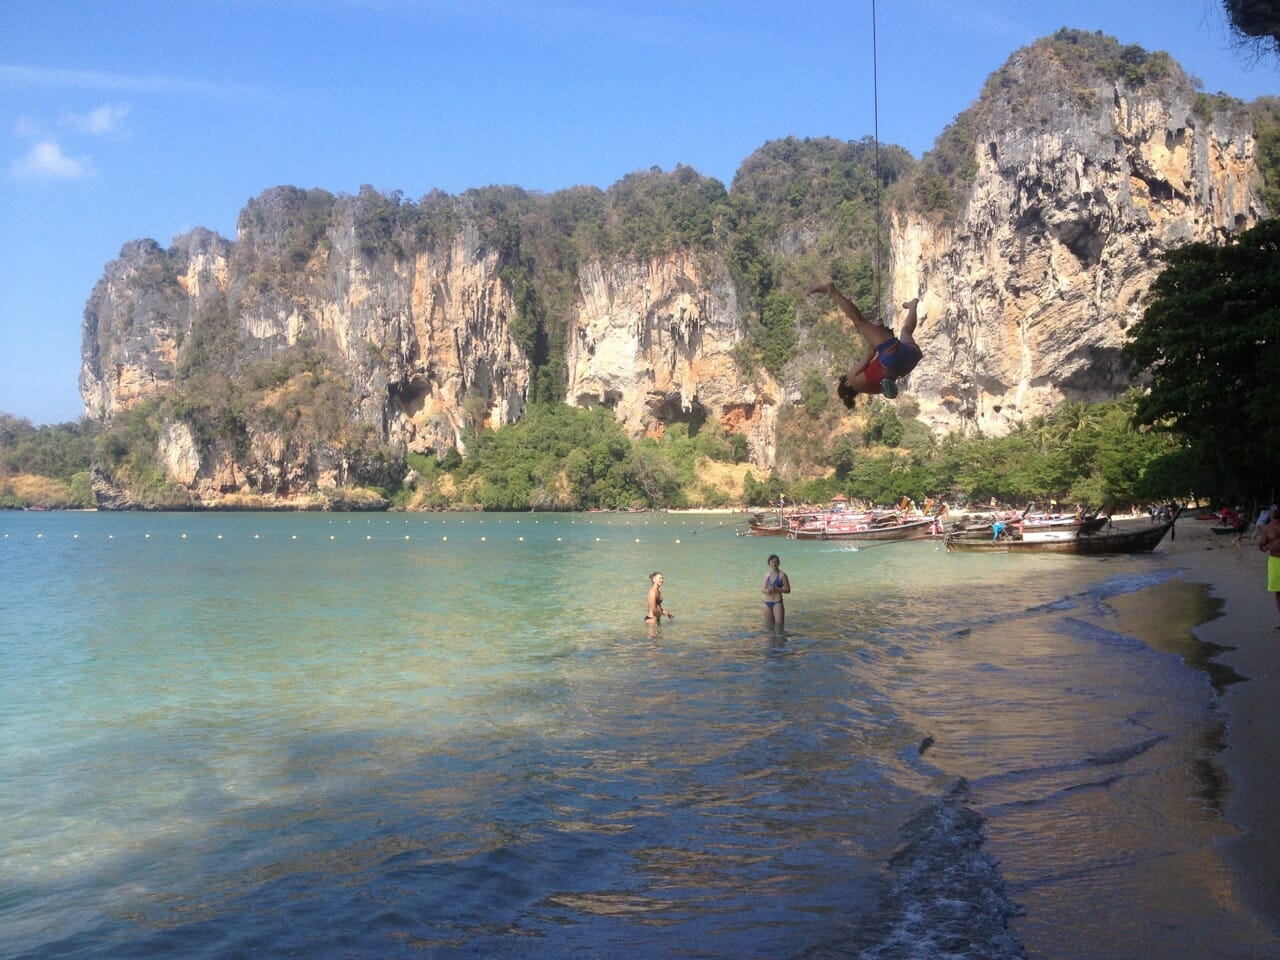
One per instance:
(846,393)
(773,557)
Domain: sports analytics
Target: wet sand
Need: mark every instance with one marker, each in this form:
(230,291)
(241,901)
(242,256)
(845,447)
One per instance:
(1247,627)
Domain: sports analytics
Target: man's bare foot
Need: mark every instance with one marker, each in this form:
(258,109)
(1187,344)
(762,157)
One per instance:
(910,306)
(828,287)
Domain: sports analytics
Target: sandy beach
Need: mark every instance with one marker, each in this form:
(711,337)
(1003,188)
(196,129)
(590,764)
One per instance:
(1236,575)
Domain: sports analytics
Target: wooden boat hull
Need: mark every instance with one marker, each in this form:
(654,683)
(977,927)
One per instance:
(911,530)
(1138,540)
(1091,525)
(766,530)
(1068,525)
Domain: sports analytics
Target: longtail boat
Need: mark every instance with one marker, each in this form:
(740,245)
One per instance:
(1131,540)
(831,528)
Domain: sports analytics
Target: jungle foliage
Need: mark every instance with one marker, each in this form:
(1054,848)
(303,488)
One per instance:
(1209,342)
(1265,112)
(45,466)
(564,458)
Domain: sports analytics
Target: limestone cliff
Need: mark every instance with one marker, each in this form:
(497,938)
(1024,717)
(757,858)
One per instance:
(1078,191)
(336,332)
(653,340)
(420,346)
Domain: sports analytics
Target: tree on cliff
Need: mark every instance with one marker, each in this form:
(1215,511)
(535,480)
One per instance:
(1210,343)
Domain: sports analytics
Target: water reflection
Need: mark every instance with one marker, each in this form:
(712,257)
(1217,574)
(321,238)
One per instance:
(1164,617)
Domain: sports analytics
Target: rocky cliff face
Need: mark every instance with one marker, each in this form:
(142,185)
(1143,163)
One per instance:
(1028,289)
(139,314)
(1029,294)
(653,341)
(424,344)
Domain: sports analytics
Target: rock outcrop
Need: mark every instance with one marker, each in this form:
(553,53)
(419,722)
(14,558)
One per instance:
(362,332)
(1030,291)
(653,341)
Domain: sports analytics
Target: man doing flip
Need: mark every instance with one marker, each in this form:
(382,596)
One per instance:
(888,358)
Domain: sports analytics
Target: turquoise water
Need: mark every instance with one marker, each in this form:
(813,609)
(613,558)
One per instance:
(320,735)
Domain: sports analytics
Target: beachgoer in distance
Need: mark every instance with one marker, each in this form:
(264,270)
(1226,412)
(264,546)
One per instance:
(1269,542)
(656,613)
(776,583)
(1263,519)
(888,358)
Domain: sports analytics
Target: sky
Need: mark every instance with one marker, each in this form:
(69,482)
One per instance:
(148,118)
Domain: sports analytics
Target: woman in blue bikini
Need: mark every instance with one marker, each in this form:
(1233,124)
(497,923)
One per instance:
(775,585)
(887,359)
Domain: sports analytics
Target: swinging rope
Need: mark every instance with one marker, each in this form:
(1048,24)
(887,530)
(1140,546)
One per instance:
(875,123)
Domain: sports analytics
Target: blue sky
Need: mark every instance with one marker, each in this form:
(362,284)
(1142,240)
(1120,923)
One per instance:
(146,118)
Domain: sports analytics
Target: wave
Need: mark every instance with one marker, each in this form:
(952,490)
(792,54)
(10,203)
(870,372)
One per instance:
(944,894)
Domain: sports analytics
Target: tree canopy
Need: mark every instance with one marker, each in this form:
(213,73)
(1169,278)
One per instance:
(1208,343)
(1257,19)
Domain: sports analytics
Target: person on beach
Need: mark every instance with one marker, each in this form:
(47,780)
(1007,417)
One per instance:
(1269,543)
(656,613)
(1263,519)
(776,583)
(888,358)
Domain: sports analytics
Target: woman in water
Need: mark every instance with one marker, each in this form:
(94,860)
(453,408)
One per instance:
(775,585)
(656,612)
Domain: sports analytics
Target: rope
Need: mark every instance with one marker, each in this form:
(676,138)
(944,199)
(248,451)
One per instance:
(875,122)
(729,523)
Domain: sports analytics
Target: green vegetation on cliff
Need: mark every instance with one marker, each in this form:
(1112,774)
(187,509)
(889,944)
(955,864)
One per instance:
(564,458)
(1265,112)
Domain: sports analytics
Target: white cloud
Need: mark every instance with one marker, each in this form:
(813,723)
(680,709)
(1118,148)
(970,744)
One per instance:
(46,161)
(20,76)
(101,121)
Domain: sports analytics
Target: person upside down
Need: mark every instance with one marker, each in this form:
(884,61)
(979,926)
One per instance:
(888,358)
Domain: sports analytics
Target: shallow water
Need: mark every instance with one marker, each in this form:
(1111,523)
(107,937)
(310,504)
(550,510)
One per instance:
(453,736)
